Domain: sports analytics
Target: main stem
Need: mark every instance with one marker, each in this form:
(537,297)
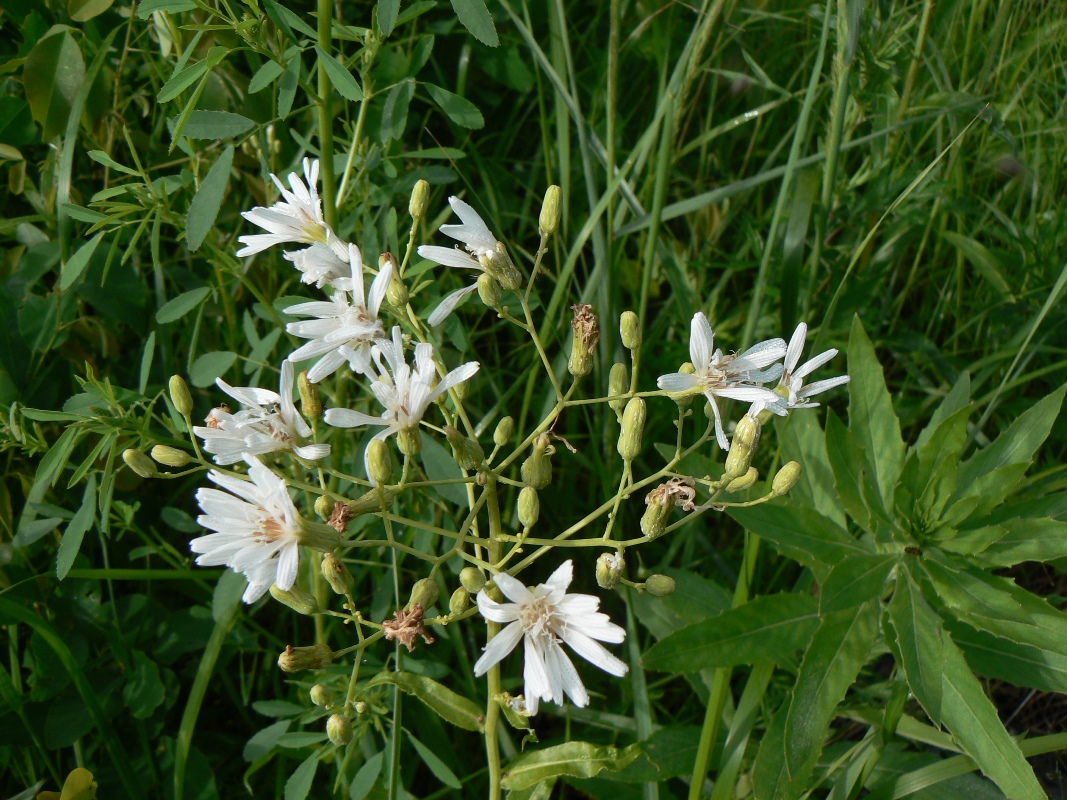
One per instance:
(492,709)
(329,182)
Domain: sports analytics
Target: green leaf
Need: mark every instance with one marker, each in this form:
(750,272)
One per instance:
(395,110)
(846,462)
(85,10)
(987,264)
(76,264)
(76,529)
(204,209)
(366,777)
(265,740)
(475,17)
(574,759)
(265,76)
(216,125)
(438,767)
(837,652)
(210,366)
(959,397)
(387,14)
(149,7)
(770,779)
(1019,540)
(871,419)
(340,77)
(299,783)
(918,643)
(287,86)
(975,500)
(144,690)
(440,466)
(766,629)
(179,306)
(182,81)
(460,711)
(1027,665)
(459,109)
(854,581)
(83,214)
(803,441)
(146,362)
(801,534)
(929,475)
(51,76)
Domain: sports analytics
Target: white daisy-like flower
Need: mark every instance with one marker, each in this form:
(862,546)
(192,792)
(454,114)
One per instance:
(483,254)
(258,530)
(318,264)
(268,422)
(345,326)
(544,617)
(792,380)
(406,393)
(297,218)
(735,377)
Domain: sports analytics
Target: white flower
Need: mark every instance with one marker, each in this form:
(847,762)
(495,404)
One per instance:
(319,264)
(544,616)
(268,422)
(406,393)
(257,529)
(297,219)
(346,328)
(792,379)
(484,254)
(735,377)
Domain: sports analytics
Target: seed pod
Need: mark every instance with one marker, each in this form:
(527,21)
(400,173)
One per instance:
(609,569)
(139,463)
(489,290)
(504,430)
(659,585)
(170,456)
(424,593)
(633,428)
(548,222)
(379,462)
(179,395)
(310,399)
(529,507)
(537,468)
(323,506)
(337,575)
(459,601)
(746,481)
(630,328)
(297,599)
(499,264)
(472,579)
(467,453)
(420,199)
(746,437)
(583,340)
(297,659)
(408,440)
(657,513)
(786,478)
(339,729)
(370,502)
(618,385)
(321,696)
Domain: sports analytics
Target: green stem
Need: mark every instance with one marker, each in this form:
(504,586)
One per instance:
(329,182)
(492,709)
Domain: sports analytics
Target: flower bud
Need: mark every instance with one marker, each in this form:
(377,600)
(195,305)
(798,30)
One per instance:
(786,478)
(424,593)
(297,659)
(504,429)
(618,385)
(657,512)
(179,395)
(323,506)
(396,293)
(459,601)
(371,501)
(339,729)
(633,428)
(659,585)
(170,456)
(682,399)
(537,468)
(529,507)
(420,199)
(472,579)
(609,569)
(583,340)
(337,575)
(466,452)
(630,328)
(746,481)
(499,264)
(408,440)
(310,399)
(321,696)
(746,437)
(379,462)
(548,222)
(297,599)
(139,463)
(317,535)
(489,290)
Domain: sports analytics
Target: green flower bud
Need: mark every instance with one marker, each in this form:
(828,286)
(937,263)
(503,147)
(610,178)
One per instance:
(786,478)
(339,729)
(408,440)
(379,462)
(170,456)
(310,399)
(321,696)
(746,481)
(337,575)
(529,507)
(396,293)
(500,266)
(323,506)
(179,395)
(297,659)
(618,385)
(658,506)
(659,585)
(459,601)
(466,452)
(630,328)
(746,437)
(489,290)
(548,222)
(297,599)
(504,430)
(472,579)
(633,428)
(682,399)
(609,569)
(420,199)
(139,463)
(318,536)
(537,468)
(583,340)
(424,593)
(371,501)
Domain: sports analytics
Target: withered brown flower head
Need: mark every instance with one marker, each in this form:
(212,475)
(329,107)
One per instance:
(340,517)
(585,325)
(677,491)
(406,626)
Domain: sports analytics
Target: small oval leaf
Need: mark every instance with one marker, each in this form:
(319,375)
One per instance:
(179,306)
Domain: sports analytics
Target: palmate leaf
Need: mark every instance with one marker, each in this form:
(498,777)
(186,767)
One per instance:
(801,534)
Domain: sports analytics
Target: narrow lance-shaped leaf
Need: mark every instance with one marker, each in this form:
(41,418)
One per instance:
(76,529)
(475,17)
(340,77)
(460,711)
(574,759)
(801,534)
(204,208)
(846,463)
(854,581)
(918,643)
(459,109)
